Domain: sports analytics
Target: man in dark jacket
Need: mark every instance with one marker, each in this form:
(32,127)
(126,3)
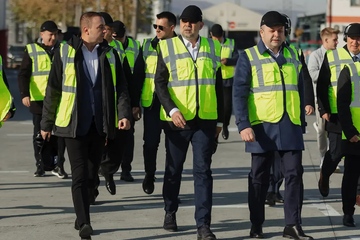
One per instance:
(80,105)
(32,80)
(326,91)
(269,111)
(348,114)
(164,27)
(188,84)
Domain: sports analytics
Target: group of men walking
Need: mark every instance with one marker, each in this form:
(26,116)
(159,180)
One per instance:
(89,92)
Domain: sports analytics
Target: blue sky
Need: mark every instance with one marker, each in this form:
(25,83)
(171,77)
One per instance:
(308,6)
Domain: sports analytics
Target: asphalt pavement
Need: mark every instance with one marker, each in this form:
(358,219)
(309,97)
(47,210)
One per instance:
(41,208)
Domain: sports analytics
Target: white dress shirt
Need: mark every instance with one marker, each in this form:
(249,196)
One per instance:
(91,59)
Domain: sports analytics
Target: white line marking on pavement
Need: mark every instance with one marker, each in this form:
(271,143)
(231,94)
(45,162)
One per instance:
(19,134)
(239,171)
(14,171)
(324,208)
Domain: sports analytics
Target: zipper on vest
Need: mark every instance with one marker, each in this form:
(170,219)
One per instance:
(283,87)
(197,88)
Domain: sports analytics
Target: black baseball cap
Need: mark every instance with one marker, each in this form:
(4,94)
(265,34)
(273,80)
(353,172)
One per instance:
(107,18)
(118,28)
(192,14)
(49,26)
(272,19)
(354,30)
(217,30)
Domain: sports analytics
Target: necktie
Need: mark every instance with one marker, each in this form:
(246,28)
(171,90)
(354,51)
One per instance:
(355,58)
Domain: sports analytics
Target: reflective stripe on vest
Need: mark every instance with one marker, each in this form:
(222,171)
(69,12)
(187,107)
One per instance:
(41,65)
(266,100)
(132,52)
(68,95)
(150,59)
(355,96)
(192,83)
(119,48)
(226,52)
(337,59)
(5,96)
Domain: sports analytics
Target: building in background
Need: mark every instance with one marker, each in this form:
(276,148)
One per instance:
(341,13)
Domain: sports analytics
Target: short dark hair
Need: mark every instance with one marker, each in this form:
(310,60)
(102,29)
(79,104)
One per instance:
(85,19)
(168,15)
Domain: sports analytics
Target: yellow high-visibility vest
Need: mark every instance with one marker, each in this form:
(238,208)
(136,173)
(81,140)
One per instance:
(5,96)
(68,95)
(355,95)
(227,48)
(150,59)
(132,52)
(117,45)
(41,65)
(192,83)
(337,59)
(266,100)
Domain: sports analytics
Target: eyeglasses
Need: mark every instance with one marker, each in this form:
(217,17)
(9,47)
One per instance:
(158,26)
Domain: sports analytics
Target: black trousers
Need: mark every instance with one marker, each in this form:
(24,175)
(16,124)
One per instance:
(333,155)
(227,105)
(36,122)
(128,154)
(113,153)
(84,156)
(350,183)
(151,137)
(259,184)
(60,141)
(276,174)
(177,144)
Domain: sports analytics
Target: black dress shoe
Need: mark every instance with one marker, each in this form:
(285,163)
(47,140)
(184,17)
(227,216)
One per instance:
(126,176)
(85,231)
(256,231)
(323,185)
(225,133)
(148,183)
(295,232)
(204,233)
(270,199)
(110,184)
(278,198)
(170,222)
(348,220)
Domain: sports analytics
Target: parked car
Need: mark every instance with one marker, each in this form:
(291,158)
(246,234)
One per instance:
(14,56)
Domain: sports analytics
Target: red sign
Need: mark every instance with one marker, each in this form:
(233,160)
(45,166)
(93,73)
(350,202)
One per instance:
(231,25)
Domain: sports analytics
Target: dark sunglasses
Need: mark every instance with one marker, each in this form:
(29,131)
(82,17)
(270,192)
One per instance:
(158,26)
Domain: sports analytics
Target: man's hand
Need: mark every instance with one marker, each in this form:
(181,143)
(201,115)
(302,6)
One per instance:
(247,135)
(8,115)
(223,61)
(136,111)
(309,110)
(326,116)
(178,119)
(124,124)
(45,135)
(26,101)
(218,131)
(354,139)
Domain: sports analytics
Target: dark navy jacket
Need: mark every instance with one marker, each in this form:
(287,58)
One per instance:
(281,136)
